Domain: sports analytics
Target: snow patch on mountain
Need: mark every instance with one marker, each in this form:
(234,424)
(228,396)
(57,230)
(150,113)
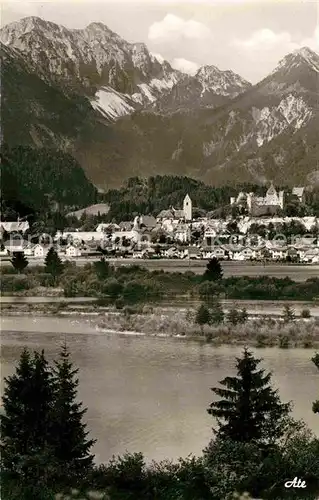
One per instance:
(291,111)
(146,91)
(90,57)
(111,104)
(150,92)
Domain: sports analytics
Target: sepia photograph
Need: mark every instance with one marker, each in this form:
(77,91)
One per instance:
(159,250)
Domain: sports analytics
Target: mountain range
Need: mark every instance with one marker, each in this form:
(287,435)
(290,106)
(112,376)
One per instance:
(122,111)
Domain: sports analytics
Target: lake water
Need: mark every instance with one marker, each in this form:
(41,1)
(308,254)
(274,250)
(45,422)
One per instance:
(151,394)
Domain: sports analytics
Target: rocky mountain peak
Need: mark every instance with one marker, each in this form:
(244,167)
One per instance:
(207,71)
(309,56)
(14,31)
(225,83)
(85,60)
(299,57)
(100,33)
(188,124)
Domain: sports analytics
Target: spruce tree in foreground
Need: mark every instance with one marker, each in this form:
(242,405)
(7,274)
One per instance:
(26,459)
(71,447)
(53,264)
(19,261)
(44,444)
(249,409)
(315,406)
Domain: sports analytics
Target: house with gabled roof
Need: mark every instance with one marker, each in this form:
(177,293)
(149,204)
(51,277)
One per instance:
(300,193)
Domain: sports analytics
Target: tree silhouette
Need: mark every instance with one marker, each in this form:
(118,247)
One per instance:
(102,268)
(43,439)
(53,263)
(68,437)
(213,271)
(202,317)
(315,360)
(288,314)
(250,410)
(217,314)
(25,426)
(19,261)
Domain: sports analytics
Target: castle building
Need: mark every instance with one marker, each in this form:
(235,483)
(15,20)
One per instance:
(267,205)
(188,208)
(261,205)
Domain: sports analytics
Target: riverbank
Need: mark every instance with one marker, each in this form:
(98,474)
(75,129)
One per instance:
(264,328)
(258,331)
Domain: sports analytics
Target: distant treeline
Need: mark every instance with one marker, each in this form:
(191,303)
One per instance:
(150,196)
(37,180)
(135,284)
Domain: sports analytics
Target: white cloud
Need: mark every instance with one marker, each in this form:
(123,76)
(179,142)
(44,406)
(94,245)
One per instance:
(267,40)
(173,28)
(185,66)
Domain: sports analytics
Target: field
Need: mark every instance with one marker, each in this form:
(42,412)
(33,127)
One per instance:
(297,272)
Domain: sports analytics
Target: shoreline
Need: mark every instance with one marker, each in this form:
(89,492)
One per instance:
(176,323)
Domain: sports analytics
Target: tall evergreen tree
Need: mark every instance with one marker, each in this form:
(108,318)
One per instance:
(315,406)
(250,410)
(216,312)
(27,402)
(69,437)
(19,261)
(53,263)
(214,271)
(15,417)
(202,317)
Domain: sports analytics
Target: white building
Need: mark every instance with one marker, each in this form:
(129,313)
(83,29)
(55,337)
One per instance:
(79,236)
(271,200)
(103,227)
(188,208)
(40,251)
(182,233)
(133,235)
(72,251)
(300,193)
(261,204)
(209,235)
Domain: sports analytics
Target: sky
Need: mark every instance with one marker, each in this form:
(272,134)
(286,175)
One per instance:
(247,37)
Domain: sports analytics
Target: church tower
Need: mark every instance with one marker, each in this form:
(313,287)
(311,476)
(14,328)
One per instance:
(187,208)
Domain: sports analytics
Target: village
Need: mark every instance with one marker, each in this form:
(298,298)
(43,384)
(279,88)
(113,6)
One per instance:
(257,232)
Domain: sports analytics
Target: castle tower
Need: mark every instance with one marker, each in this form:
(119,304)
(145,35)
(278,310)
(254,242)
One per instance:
(136,225)
(271,196)
(250,201)
(281,199)
(187,208)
